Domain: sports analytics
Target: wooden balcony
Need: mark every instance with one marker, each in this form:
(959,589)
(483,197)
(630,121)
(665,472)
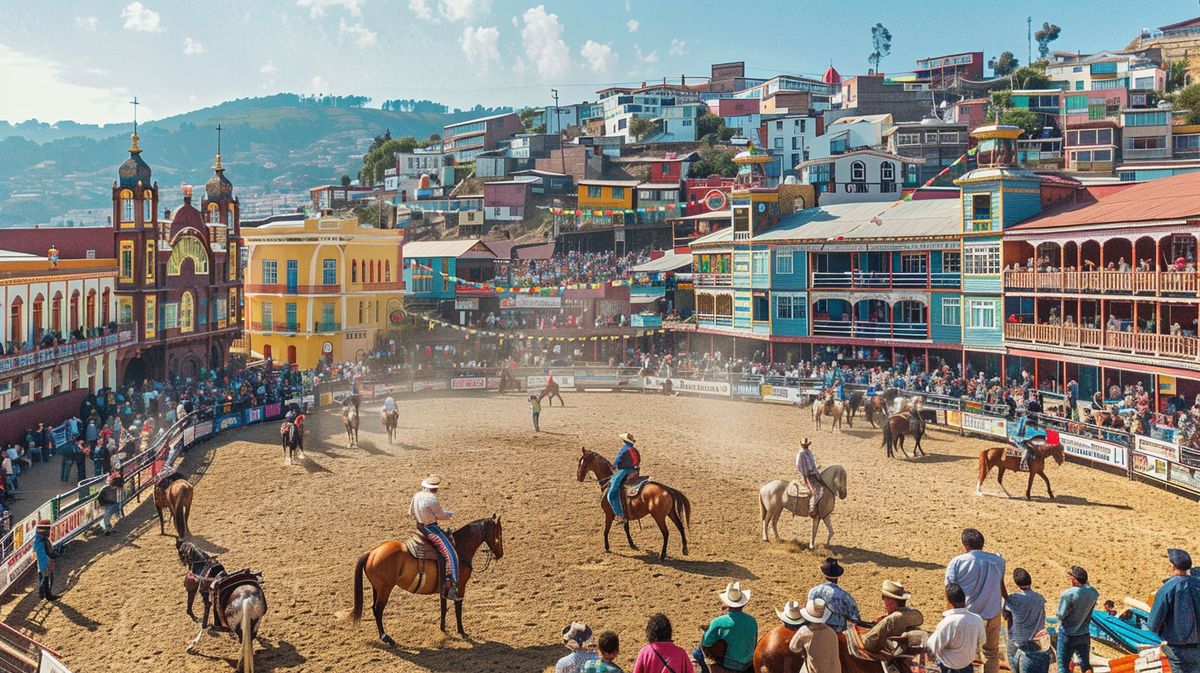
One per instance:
(1177,347)
(384,286)
(1141,283)
(283,288)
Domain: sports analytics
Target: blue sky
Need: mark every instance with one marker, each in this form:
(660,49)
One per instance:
(84,59)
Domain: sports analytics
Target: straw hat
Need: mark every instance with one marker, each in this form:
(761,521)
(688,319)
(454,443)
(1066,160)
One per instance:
(894,589)
(815,611)
(432,482)
(805,443)
(627,437)
(791,613)
(734,596)
(576,634)
(43,525)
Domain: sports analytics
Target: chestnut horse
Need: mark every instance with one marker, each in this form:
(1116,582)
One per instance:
(997,457)
(350,420)
(390,419)
(773,653)
(173,493)
(551,391)
(656,500)
(389,565)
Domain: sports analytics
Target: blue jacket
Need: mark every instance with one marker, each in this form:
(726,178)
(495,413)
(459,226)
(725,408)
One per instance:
(44,552)
(1176,611)
(627,458)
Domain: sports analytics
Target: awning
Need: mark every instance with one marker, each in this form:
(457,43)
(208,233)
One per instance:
(643,299)
(668,262)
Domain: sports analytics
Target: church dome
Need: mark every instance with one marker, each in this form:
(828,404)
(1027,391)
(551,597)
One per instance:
(134,169)
(218,186)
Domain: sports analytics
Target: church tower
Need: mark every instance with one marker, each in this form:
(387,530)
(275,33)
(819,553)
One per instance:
(135,228)
(222,215)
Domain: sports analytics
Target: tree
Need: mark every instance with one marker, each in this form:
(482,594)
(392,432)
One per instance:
(713,161)
(1030,78)
(1188,98)
(528,117)
(881,40)
(1029,121)
(345,180)
(1045,36)
(712,129)
(1177,75)
(383,156)
(1003,64)
(641,127)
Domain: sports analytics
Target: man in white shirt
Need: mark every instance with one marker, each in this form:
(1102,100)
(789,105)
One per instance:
(427,511)
(980,574)
(957,639)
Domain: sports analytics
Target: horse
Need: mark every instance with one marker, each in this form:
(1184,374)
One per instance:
(830,407)
(173,493)
(350,420)
(236,601)
(389,565)
(897,426)
(853,404)
(509,382)
(389,420)
(655,500)
(774,497)
(289,437)
(773,652)
(551,391)
(997,457)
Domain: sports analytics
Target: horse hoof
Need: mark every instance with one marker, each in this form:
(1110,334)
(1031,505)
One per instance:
(388,640)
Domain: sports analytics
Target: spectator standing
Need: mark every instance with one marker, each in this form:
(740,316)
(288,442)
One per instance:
(660,654)
(818,642)
(1025,610)
(10,475)
(980,574)
(839,604)
(44,551)
(575,637)
(1074,614)
(735,628)
(101,459)
(81,455)
(959,636)
(535,407)
(47,442)
(110,500)
(68,459)
(609,647)
(1175,614)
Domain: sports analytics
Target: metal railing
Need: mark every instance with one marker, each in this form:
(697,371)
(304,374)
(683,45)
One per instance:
(884,279)
(283,288)
(1105,282)
(712,279)
(1138,343)
(386,285)
(41,357)
(871,330)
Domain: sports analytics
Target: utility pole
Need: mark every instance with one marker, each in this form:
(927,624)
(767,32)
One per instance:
(1029,40)
(561,151)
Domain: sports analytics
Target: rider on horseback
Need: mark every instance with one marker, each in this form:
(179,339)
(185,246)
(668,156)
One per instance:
(628,462)
(427,511)
(389,405)
(1025,442)
(806,465)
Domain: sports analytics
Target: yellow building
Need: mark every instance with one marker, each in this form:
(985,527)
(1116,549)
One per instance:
(608,194)
(320,288)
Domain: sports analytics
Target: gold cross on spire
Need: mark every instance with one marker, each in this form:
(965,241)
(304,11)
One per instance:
(133,147)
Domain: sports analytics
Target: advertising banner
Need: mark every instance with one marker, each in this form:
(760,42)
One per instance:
(433,384)
(254,415)
(954,418)
(226,422)
(469,383)
(72,523)
(780,394)
(747,390)
(1094,450)
(985,425)
(1155,447)
(1150,466)
(563,381)
(688,386)
(1185,477)
(273,410)
(203,429)
(529,301)
(189,435)
(50,664)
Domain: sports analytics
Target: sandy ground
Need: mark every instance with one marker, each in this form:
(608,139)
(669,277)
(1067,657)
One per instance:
(304,527)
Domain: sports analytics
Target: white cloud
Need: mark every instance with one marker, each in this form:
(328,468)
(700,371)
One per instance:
(192,47)
(316,8)
(463,10)
(632,25)
(652,57)
(99,72)
(544,45)
(269,69)
(678,47)
(363,36)
(479,46)
(86,22)
(319,85)
(600,58)
(56,98)
(421,8)
(627,5)
(139,18)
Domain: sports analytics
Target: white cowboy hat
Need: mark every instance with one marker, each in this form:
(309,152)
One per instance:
(894,589)
(433,481)
(575,634)
(734,596)
(791,613)
(805,443)
(627,437)
(815,611)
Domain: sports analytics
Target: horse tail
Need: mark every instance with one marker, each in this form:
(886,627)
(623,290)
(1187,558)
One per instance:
(682,506)
(984,467)
(247,639)
(887,432)
(356,613)
(179,511)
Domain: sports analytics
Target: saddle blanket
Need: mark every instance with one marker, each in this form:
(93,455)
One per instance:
(798,489)
(634,485)
(223,588)
(419,548)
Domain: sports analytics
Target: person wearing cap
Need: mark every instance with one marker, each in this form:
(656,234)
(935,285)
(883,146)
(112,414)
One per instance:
(900,619)
(736,629)
(1074,614)
(44,551)
(575,637)
(981,575)
(1175,612)
(427,510)
(1025,612)
(818,642)
(628,462)
(839,604)
(806,465)
(959,636)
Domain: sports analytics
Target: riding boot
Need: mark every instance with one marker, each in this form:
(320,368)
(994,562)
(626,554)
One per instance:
(451,590)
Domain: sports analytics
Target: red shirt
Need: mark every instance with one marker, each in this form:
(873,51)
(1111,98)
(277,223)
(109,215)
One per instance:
(649,661)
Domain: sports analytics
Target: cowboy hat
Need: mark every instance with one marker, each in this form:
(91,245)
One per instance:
(734,596)
(815,611)
(576,633)
(791,613)
(433,481)
(831,568)
(627,437)
(894,589)
(805,443)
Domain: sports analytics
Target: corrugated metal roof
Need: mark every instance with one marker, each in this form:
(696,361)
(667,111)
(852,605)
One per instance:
(451,248)
(851,221)
(1173,198)
(668,262)
(719,236)
(711,215)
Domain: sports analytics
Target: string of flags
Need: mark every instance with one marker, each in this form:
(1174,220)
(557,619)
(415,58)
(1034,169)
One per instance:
(587,212)
(543,291)
(434,323)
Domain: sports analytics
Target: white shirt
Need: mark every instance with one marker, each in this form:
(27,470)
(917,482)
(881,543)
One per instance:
(426,509)
(957,639)
(389,404)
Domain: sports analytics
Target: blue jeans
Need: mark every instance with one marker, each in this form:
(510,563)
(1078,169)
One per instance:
(614,491)
(698,657)
(969,668)
(10,482)
(1183,659)
(1027,660)
(110,511)
(1069,646)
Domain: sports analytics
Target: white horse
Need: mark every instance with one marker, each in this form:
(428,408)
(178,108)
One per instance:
(778,495)
(834,408)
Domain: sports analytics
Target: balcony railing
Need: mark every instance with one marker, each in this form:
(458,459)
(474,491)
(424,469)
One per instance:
(283,288)
(871,330)
(712,279)
(711,320)
(54,355)
(1105,282)
(881,279)
(386,285)
(295,327)
(1139,343)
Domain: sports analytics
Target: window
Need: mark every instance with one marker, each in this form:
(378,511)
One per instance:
(931,137)
(221,309)
(1145,119)
(952,312)
(234,261)
(270,272)
(387,271)
(982,259)
(593,192)
(618,192)
(1146,143)
(151,314)
(150,263)
(952,262)
(887,171)
(290,314)
(1079,85)
(981,314)
(188,247)
(783,262)
(908,138)
(329,272)
(858,172)
(913,262)
(981,207)
(783,307)
(187,313)
(267,315)
(170,316)
(778,142)
(779,125)
(949,137)
(354,271)
(759,262)
(327,316)
(124,310)
(127,261)
(126,206)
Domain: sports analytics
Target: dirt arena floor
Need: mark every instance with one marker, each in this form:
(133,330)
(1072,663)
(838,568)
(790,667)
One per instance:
(304,527)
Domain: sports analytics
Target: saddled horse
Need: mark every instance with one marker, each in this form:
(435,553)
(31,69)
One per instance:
(390,419)
(877,407)
(650,498)
(510,382)
(830,407)
(776,496)
(773,652)
(290,436)
(999,457)
(551,391)
(897,426)
(350,421)
(392,564)
(236,601)
(173,492)
(854,402)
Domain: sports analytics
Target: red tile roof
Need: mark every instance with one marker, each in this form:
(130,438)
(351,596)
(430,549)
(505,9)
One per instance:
(1173,198)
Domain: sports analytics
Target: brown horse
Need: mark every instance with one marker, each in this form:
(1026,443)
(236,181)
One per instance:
(291,437)
(173,493)
(773,653)
(389,565)
(350,421)
(390,419)
(551,391)
(656,500)
(897,426)
(997,457)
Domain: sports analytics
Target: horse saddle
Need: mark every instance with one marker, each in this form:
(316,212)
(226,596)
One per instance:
(284,428)
(164,481)
(905,646)
(222,589)
(797,489)
(634,484)
(419,548)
